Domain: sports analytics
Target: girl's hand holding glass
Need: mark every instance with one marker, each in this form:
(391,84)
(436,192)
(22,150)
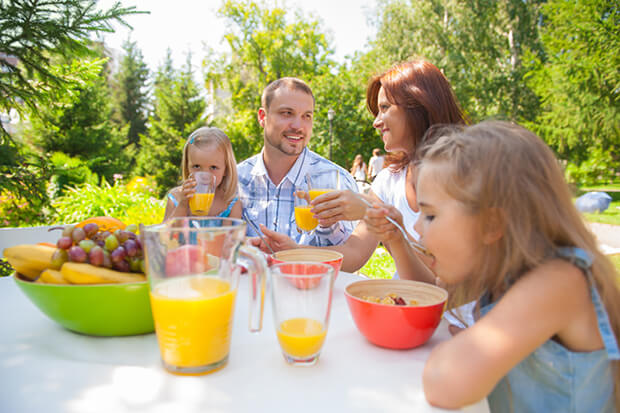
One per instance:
(202,192)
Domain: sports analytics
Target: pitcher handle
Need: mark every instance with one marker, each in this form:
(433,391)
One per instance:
(257,274)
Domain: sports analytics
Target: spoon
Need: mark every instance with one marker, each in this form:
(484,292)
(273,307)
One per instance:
(257,230)
(416,245)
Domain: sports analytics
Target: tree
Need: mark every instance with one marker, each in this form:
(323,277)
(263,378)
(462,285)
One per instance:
(264,46)
(478,44)
(131,93)
(179,110)
(79,124)
(30,34)
(577,81)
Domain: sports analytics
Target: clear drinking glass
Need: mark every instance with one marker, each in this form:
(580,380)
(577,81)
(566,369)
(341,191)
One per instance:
(322,182)
(305,219)
(200,202)
(193,272)
(301,295)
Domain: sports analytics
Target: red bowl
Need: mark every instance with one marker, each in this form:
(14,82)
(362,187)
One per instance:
(396,326)
(333,258)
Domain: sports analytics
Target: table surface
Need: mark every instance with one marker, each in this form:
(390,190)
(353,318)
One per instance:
(44,367)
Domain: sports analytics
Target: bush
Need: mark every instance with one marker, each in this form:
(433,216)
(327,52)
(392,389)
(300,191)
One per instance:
(66,172)
(87,200)
(600,167)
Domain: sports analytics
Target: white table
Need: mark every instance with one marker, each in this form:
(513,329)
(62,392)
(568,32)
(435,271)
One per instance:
(45,368)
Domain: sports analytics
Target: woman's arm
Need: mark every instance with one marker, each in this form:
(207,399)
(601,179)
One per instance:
(548,301)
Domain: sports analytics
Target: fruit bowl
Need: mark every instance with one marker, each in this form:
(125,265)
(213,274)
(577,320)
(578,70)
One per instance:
(396,326)
(97,310)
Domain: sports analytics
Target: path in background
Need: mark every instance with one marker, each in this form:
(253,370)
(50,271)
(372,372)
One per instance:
(607,235)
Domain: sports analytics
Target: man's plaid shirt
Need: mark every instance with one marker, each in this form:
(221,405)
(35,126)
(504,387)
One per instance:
(273,206)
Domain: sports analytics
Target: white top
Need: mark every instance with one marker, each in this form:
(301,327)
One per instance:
(375,165)
(390,188)
(359,173)
(46,368)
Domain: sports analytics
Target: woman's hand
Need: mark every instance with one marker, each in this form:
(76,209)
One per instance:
(334,206)
(377,225)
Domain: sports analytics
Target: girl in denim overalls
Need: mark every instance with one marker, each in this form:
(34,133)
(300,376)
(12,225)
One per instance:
(499,219)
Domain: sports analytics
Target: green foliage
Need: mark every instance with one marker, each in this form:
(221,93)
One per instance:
(131,93)
(577,80)
(264,46)
(380,265)
(179,110)
(600,167)
(478,44)
(87,200)
(33,33)
(68,171)
(78,123)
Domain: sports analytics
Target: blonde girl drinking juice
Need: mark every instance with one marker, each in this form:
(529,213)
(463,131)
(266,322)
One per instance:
(209,150)
(499,219)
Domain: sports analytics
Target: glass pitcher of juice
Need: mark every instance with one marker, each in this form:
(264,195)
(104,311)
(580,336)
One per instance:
(192,265)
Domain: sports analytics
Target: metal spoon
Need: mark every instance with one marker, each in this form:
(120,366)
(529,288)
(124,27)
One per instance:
(416,245)
(257,230)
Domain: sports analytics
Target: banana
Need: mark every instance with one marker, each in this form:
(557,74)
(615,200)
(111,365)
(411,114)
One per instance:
(50,276)
(77,273)
(29,259)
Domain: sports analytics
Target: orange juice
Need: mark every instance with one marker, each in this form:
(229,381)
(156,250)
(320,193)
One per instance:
(317,192)
(193,320)
(301,337)
(200,204)
(304,218)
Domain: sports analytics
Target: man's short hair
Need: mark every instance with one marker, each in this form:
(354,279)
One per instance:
(376,152)
(291,83)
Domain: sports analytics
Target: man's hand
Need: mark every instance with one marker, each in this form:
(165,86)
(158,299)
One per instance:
(277,241)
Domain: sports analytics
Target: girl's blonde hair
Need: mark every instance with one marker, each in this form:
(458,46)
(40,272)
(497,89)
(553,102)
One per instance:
(203,137)
(509,178)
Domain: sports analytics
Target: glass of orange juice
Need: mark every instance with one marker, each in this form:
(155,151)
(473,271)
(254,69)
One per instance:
(303,217)
(200,202)
(301,295)
(193,273)
(322,182)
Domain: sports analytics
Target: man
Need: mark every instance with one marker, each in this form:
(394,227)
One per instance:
(375,164)
(267,181)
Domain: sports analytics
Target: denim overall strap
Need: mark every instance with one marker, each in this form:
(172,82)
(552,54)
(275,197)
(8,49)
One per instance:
(226,212)
(582,259)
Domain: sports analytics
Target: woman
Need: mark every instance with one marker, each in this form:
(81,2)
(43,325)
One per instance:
(359,172)
(406,101)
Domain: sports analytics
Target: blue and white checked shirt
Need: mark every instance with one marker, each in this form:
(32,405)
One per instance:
(273,206)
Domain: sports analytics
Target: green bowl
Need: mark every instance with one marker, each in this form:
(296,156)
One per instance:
(97,310)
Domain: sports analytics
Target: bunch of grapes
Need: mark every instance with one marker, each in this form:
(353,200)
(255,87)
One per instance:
(120,250)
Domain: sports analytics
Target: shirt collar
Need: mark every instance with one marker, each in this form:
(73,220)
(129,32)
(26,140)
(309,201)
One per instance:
(294,175)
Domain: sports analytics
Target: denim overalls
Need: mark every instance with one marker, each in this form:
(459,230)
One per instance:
(554,379)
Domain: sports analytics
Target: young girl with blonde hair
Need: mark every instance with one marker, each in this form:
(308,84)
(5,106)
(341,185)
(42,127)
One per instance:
(499,219)
(207,149)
